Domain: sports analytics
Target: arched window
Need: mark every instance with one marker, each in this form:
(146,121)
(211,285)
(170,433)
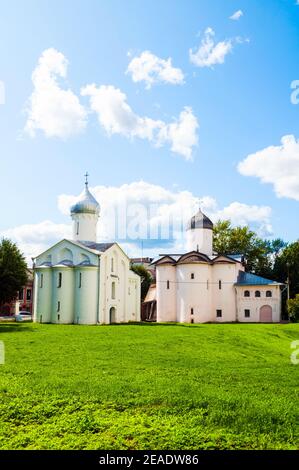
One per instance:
(247,293)
(257,293)
(268,293)
(113,290)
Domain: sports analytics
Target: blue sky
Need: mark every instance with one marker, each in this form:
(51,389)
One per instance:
(242,107)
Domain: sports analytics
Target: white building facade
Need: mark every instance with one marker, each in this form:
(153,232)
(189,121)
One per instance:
(199,286)
(84,282)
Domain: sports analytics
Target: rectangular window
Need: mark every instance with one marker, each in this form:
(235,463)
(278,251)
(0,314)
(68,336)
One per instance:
(113,291)
(218,313)
(21,294)
(192,275)
(41,281)
(208,284)
(77,228)
(192,311)
(112,265)
(80,280)
(167,284)
(58,306)
(220,285)
(28,294)
(247,313)
(59,280)
(58,317)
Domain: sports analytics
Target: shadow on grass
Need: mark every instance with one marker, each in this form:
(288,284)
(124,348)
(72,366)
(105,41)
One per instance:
(7,327)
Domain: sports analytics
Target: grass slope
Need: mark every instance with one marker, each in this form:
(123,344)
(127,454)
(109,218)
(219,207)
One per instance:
(148,387)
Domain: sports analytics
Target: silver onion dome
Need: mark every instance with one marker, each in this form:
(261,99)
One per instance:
(86,203)
(200,220)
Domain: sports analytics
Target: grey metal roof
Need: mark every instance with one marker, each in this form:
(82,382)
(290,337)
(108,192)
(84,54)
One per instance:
(200,220)
(249,279)
(96,246)
(86,204)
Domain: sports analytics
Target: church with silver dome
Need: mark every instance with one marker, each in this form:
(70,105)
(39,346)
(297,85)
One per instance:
(82,281)
(200,286)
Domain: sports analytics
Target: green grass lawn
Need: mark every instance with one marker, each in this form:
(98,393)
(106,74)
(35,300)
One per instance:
(149,387)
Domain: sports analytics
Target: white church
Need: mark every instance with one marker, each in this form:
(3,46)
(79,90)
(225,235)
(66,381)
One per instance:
(82,281)
(199,286)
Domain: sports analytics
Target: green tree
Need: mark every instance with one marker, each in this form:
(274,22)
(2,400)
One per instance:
(242,240)
(146,278)
(287,266)
(293,308)
(13,271)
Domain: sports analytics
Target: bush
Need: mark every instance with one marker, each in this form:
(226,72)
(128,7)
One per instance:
(293,308)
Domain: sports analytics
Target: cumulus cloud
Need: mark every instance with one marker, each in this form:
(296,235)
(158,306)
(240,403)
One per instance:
(54,110)
(237,15)
(276,165)
(210,52)
(151,69)
(140,210)
(33,239)
(117,117)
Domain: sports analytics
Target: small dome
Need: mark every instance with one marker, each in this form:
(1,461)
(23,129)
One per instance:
(200,220)
(86,204)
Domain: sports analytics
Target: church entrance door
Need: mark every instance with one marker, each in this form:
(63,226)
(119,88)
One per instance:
(112,315)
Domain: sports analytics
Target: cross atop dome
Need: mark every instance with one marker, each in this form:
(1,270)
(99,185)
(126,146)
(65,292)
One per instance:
(86,179)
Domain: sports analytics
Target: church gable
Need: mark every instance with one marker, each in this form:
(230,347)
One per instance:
(193,257)
(67,253)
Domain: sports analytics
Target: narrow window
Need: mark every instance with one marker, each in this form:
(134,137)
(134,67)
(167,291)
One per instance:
(257,293)
(247,313)
(41,283)
(208,284)
(220,285)
(268,293)
(167,284)
(129,291)
(247,293)
(58,306)
(28,294)
(112,265)
(192,311)
(80,280)
(59,280)
(58,317)
(21,294)
(192,275)
(192,320)
(77,228)
(218,313)
(113,290)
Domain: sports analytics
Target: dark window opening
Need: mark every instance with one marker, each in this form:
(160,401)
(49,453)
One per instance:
(192,275)
(247,313)
(257,293)
(247,293)
(268,293)
(192,311)
(167,284)
(218,313)
(58,306)
(59,280)
(80,280)
(28,294)
(21,295)
(220,284)
(41,280)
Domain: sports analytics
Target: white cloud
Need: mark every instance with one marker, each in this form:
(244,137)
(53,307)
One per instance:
(152,69)
(117,117)
(51,109)
(139,210)
(237,15)
(277,165)
(210,53)
(33,239)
